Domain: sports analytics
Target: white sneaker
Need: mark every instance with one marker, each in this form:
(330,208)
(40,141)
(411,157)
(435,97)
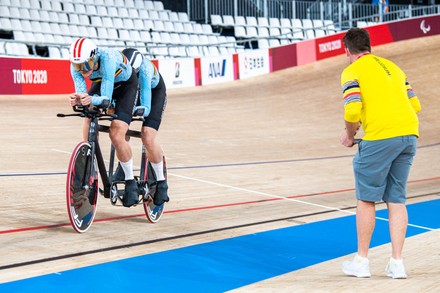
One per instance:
(395,269)
(358,267)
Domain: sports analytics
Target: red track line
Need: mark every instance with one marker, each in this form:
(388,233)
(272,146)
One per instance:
(198,208)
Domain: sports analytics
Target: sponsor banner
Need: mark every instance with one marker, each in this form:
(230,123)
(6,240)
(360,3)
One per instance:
(305,52)
(379,34)
(35,76)
(10,76)
(178,73)
(329,46)
(253,63)
(217,69)
(46,76)
(284,57)
(415,28)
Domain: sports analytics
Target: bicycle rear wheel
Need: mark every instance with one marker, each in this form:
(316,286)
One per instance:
(154,213)
(82,188)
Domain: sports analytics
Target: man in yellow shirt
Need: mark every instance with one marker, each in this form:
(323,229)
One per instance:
(378,96)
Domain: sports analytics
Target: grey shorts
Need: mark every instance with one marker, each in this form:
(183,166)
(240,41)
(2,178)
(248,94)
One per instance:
(381,168)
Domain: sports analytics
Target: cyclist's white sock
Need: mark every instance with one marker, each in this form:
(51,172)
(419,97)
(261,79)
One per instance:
(128,169)
(158,169)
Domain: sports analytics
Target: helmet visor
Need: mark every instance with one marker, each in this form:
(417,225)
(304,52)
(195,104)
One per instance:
(86,66)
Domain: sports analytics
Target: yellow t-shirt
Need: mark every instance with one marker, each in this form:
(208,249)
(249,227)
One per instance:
(377,94)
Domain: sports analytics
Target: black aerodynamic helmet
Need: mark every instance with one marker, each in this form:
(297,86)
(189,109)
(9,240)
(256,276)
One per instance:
(134,57)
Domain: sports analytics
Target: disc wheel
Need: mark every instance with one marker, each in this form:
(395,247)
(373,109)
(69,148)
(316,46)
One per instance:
(81,188)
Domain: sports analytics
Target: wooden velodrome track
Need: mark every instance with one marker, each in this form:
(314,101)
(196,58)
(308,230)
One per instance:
(243,157)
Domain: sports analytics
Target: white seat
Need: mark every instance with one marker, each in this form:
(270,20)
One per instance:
(26,25)
(213,51)
(148,24)
(263,21)
(122,12)
(193,51)
(158,5)
(194,39)
(91,10)
(139,4)
(212,39)
(13,12)
(207,29)
(102,11)
(158,25)
(296,23)
(62,17)
(117,22)
(5,23)
(128,23)
(24,13)
(74,18)
(156,37)
(178,27)
(310,34)
(187,27)
(228,20)
(145,36)
(175,38)
(163,15)
(56,6)
(251,21)
(165,37)
(263,32)
(252,32)
(319,32)
(65,53)
(285,23)
(274,22)
(84,19)
(69,7)
(74,30)
(153,14)
(274,42)
(216,20)
(44,15)
(36,26)
(240,20)
(112,11)
(96,21)
(112,34)
(183,16)
(107,21)
(274,31)
(149,5)
(46,4)
(124,35)
(133,13)
(47,38)
(59,39)
(223,50)
(16,24)
(91,32)
(204,40)
(80,8)
(263,43)
(169,26)
(240,32)
(16,49)
(197,28)
(317,23)
(184,39)
(329,26)
(307,23)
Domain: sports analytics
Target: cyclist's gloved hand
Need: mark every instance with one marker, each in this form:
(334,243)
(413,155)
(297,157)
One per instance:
(101,101)
(140,111)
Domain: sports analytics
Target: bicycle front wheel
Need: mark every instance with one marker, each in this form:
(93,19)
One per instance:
(82,188)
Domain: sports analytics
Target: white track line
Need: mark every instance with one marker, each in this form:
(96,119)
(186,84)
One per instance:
(270,195)
(286,198)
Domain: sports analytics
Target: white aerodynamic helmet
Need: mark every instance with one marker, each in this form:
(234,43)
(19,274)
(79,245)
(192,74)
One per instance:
(82,54)
(134,57)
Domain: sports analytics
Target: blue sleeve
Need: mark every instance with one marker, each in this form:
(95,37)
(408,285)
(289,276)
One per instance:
(145,89)
(78,81)
(108,78)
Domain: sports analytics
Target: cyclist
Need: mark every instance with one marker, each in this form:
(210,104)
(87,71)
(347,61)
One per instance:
(113,80)
(152,100)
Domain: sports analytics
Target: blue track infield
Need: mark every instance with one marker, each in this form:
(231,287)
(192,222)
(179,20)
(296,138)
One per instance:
(230,263)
